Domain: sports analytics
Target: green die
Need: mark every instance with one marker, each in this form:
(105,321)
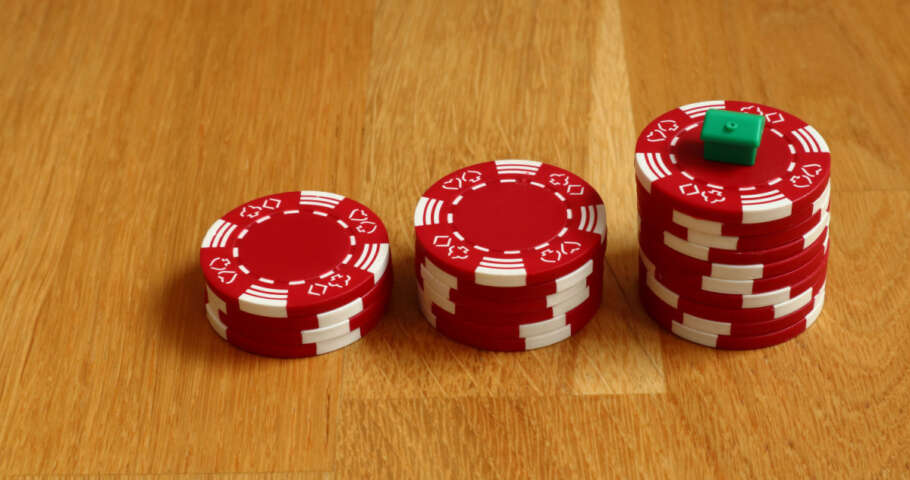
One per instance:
(732,137)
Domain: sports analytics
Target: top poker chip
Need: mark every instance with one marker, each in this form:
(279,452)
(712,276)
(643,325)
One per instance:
(791,170)
(510,223)
(294,253)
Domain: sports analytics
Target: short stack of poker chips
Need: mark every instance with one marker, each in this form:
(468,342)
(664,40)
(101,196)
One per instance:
(296,274)
(509,254)
(733,254)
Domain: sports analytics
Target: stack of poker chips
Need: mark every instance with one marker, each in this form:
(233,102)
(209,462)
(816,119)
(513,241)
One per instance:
(296,274)
(733,202)
(509,254)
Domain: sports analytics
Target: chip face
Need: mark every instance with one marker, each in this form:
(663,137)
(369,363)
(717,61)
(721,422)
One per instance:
(294,253)
(510,223)
(792,167)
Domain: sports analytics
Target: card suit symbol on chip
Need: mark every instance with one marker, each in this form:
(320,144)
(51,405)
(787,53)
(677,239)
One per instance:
(569,247)
(227,276)
(453,183)
(317,289)
(366,227)
(774,117)
(753,109)
(471,176)
(339,280)
(812,169)
(358,215)
(801,181)
(250,211)
(656,136)
(442,241)
(559,179)
(713,196)
(575,190)
(550,256)
(459,252)
(689,189)
(271,203)
(219,263)
(668,125)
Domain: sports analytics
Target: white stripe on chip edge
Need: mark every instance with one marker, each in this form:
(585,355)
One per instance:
(445,278)
(333,344)
(264,301)
(316,335)
(690,222)
(218,234)
(427,211)
(215,300)
(517,167)
(316,198)
(686,248)
(215,321)
(649,167)
(575,277)
(769,207)
(699,109)
(501,272)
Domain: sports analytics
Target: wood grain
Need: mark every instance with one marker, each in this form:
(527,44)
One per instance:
(127,127)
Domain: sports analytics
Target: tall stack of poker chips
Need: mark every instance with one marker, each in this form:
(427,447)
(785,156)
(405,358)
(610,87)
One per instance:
(509,254)
(733,254)
(296,274)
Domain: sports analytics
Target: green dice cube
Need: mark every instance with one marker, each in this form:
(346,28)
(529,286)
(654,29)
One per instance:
(732,137)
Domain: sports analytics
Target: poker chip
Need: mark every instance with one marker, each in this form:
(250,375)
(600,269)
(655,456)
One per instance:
(296,274)
(741,243)
(750,300)
(735,328)
(466,289)
(510,337)
(509,254)
(735,342)
(791,170)
(434,288)
(734,215)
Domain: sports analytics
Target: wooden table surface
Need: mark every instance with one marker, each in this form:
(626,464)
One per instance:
(126,128)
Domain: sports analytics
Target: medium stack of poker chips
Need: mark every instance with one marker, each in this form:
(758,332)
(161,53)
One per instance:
(296,274)
(509,254)
(733,202)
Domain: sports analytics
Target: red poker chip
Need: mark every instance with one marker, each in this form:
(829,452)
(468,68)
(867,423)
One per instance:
(672,260)
(584,297)
(475,328)
(510,223)
(302,349)
(658,213)
(791,170)
(687,284)
(429,283)
(714,255)
(228,327)
(769,240)
(294,254)
(252,322)
(732,328)
(488,338)
(462,288)
(763,299)
(732,342)
(722,314)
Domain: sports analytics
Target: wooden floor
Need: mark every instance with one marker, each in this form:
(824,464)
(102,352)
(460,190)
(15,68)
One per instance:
(127,127)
